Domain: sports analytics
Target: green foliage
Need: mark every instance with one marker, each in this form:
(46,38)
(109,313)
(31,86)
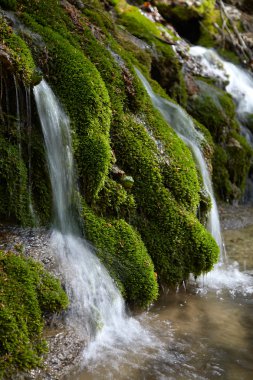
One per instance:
(27,291)
(122,251)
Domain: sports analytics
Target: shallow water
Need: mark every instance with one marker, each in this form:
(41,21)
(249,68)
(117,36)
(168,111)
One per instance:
(202,332)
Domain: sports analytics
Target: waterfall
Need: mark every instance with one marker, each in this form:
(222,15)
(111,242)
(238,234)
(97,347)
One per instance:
(239,86)
(185,129)
(240,82)
(97,310)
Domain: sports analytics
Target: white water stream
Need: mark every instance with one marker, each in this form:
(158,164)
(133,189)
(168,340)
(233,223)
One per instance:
(97,310)
(240,82)
(239,86)
(184,127)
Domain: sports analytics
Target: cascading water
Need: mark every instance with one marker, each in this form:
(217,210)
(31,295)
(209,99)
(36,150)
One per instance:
(240,87)
(184,127)
(240,82)
(225,275)
(97,310)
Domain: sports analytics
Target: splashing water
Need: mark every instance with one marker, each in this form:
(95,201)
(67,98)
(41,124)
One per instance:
(184,127)
(240,87)
(97,310)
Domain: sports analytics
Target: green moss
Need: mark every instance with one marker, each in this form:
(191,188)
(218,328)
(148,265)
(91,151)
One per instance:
(13,184)
(239,160)
(122,251)
(165,67)
(222,184)
(174,238)
(114,201)
(79,86)
(20,57)
(232,155)
(27,291)
(208,32)
(215,109)
(229,56)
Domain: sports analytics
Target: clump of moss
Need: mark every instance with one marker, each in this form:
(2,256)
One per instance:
(115,201)
(231,161)
(20,59)
(13,184)
(27,292)
(176,241)
(165,67)
(184,11)
(215,109)
(68,68)
(122,251)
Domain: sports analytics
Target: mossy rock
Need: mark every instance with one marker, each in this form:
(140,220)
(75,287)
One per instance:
(165,67)
(124,254)
(215,109)
(183,11)
(175,239)
(27,292)
(79,86)
(14,202)
(231,161)
(19,58)
(239,160)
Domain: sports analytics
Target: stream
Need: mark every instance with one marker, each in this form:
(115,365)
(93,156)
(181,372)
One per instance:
(205,329)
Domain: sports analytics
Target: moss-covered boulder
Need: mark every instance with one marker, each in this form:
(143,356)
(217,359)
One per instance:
(173,236)
(27,293)
(231,161)
(165,67)
(215,109)
(123,252)
(192,20)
